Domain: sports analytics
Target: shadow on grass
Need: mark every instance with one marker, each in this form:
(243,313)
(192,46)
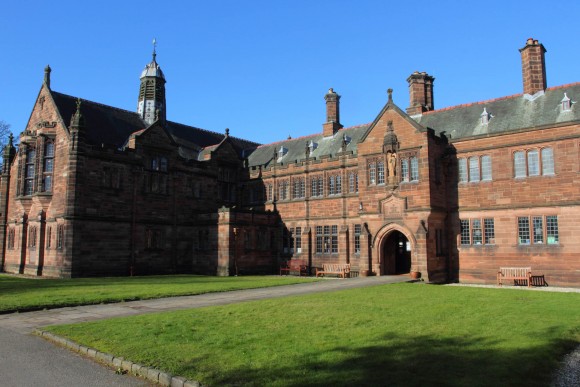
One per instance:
(419,361)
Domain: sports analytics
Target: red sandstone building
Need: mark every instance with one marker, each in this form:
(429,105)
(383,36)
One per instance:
(453,193)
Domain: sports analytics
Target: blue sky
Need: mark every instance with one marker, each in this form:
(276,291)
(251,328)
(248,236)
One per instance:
(261,68)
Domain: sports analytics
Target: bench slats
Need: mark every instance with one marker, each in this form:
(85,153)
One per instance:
(514,273)
(341,269)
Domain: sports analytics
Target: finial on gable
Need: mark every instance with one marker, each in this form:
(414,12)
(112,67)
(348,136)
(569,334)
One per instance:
(47,71)
(227,132)
(390,93)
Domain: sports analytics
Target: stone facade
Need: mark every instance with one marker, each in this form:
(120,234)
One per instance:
(453,193)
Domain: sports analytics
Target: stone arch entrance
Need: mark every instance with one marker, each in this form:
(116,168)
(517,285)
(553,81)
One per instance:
(395,254)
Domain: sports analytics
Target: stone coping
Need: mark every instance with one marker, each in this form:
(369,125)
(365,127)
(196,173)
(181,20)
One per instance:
(120,364)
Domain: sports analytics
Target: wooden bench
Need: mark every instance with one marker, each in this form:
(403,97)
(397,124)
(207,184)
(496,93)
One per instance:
(340,269)
(294,265)
(514,274)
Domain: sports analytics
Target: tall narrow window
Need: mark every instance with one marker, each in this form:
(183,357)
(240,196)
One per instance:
(338,184)
(476,236)
(319,240)
(414,169)
(60,236)
(547,161)
(357,232)
(372,172)
(489,231)
(11,234)
(485,168)
(351,182)
(465,234)
(474,169)
(48,237)
(29,172)
(519,164)
(298,240)
(462,170)
(326,239)
(533,163)
(524,230)
(538,228)
(380,172)
(405,169)
(552,229)
(331,185)
(334,239)
(48,167)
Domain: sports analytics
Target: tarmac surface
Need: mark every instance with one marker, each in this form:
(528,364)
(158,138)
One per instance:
(28,360)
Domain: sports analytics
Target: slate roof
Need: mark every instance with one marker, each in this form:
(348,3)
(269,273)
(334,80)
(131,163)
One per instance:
(296,148)
(508,114)
(112,127)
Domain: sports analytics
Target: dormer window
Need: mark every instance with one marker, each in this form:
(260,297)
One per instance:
(313,145)
(485,117)
(346,139)
(282,151)
(566,103)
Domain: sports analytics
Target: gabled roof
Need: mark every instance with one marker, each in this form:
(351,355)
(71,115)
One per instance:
(112,127)
(507,114)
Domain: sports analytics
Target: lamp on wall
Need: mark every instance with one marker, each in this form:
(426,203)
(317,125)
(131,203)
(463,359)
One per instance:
(360,206)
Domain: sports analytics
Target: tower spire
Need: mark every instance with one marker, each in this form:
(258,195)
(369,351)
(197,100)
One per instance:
(151,101)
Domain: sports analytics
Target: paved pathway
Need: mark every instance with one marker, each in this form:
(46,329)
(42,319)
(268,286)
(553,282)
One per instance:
(27,360)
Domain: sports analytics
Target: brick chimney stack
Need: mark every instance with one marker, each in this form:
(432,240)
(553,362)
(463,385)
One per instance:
(533,67)
(420,93)
(332,124)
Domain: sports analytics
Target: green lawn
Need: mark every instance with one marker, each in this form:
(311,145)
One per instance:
(22,294)
(402,335)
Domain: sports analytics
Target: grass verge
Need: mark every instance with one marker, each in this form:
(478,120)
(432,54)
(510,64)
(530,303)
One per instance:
(404,334)
(25,294)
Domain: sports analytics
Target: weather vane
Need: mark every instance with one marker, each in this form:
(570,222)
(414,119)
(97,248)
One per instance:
(154,47)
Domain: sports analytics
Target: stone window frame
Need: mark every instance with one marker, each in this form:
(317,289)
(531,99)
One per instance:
(48,164)
(29,170)
(298,240)
(533,162)
(409,167)
(48,241)
(298,188)
(334,183)
(477,232)
(538,230)
(32,237)
(357,231)
(352,181)
(60,236)
(11,238)
(317,186)
(283,189)
(153,238)
(474,169)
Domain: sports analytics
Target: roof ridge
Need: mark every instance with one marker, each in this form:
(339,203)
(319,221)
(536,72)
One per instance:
(563,86)
(216,133)
(473,103)
(497,99)
(96,103)
(311,135)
